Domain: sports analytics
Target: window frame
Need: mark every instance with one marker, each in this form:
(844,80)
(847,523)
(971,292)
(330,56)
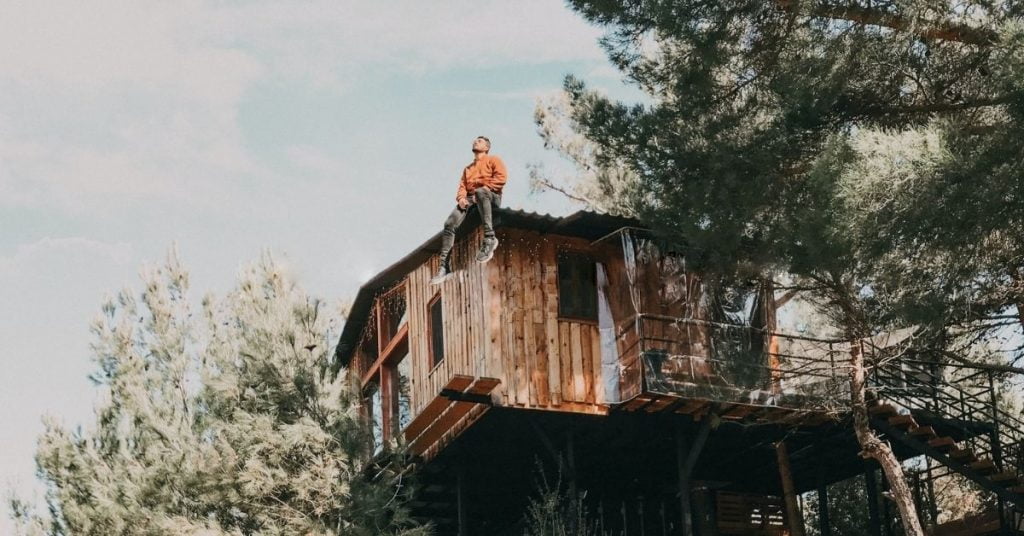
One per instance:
(432,352)
(578,258)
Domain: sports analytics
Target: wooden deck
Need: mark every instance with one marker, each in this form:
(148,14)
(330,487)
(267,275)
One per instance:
(698,408)
(463,400)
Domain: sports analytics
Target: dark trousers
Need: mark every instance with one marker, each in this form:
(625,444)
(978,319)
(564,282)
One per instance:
(484,200)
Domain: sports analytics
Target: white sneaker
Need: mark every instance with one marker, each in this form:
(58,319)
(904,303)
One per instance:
(487,249)
(443,273)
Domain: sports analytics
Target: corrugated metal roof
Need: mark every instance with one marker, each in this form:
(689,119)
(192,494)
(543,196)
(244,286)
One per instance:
(583,224)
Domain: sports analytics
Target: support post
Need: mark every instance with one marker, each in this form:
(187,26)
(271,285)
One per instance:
(793,516)
(687,458)
(570,456)
(886,511)
(460,492)
(933,508)
(997,447)
(824,525)
(871,487)
(682,452)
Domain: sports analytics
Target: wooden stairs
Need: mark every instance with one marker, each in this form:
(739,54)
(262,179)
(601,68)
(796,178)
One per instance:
(958,456)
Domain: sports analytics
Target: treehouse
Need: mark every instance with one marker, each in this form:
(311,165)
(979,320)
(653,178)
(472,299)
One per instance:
(587,350)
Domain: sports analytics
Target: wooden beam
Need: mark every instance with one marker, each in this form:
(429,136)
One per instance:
(451,417)
(436,407)
(388,352)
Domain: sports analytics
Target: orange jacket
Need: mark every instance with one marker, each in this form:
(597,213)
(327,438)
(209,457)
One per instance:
(488,171)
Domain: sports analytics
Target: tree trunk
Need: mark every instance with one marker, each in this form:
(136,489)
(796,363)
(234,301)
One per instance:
(876,449)
(793,516)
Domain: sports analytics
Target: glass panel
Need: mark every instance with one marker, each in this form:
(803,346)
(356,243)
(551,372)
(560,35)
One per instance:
(436,333)
(577,286)
(402,383)
(373,401)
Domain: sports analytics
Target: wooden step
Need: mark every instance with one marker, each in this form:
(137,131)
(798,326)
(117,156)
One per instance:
(963,455)
(1017,489)
(902,422)
(943,444)
(883,409)
(984,466)
(923,432)
(1006,478)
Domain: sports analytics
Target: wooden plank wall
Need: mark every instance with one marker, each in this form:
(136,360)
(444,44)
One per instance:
(464,311)
(548,362)
(501,321)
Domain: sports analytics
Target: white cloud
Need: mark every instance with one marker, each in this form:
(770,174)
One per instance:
(121,119)
(118,102)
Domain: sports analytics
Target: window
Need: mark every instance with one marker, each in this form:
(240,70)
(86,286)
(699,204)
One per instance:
(390,314)
(401,403)
(436,331)
(373,406)
(577,286)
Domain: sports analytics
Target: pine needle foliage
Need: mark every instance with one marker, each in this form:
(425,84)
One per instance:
(872,149)
(219,421)
(556,511)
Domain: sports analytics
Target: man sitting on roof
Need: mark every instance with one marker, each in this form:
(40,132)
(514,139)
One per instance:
(480,187)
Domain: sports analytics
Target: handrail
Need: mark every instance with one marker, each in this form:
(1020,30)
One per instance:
(959,405)
(915,382)
(701,322)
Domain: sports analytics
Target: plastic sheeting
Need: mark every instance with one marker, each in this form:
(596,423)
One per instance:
(685,335)
(609,351)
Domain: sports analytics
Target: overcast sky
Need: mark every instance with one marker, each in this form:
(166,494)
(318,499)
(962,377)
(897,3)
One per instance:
(331,132)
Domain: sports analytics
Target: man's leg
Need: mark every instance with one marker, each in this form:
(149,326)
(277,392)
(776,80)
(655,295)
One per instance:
(486,200)
(447,241)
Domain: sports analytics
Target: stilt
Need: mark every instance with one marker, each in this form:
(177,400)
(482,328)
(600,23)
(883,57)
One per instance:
(824,525)
(460,492)
(918,491)
(686,457)
(871,486)
(682,453)
(933,508)
(886,512)
(793,516)
(570,461)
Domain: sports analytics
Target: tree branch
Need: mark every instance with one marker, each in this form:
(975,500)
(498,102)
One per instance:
(982,366)
(941,106)
(545,184)
(943,31)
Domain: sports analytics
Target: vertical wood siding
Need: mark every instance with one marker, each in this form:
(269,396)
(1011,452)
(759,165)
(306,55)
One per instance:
(501,321)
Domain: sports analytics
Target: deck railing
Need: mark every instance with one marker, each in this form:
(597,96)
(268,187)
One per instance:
(730,363)
(965,396)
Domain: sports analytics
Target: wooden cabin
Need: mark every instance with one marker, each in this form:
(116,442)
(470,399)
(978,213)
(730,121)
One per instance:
(588,349)
(564,318)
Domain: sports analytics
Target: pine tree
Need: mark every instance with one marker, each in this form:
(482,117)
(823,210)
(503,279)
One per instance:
(222,421)
(871,150)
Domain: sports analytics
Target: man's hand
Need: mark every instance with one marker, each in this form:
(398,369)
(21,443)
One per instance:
(464,203)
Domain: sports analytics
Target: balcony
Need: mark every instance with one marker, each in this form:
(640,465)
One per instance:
(688,365)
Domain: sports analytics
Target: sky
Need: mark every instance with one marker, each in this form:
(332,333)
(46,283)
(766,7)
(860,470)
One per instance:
(329,132)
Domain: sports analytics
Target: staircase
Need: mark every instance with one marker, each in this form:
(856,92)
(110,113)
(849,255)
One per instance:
(951,414)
